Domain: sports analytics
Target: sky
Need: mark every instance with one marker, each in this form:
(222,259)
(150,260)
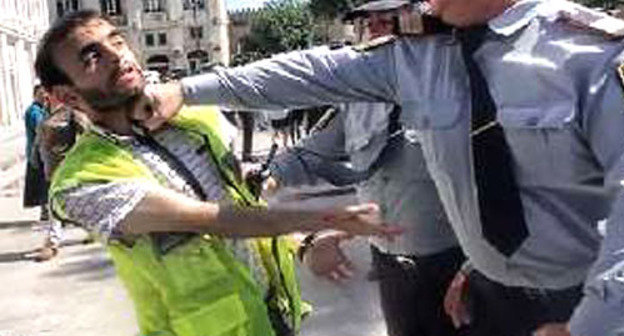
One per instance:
(239,4)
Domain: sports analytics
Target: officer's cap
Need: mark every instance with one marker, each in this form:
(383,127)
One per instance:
(374,6)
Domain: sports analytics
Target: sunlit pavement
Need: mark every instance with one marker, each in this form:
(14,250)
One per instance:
(76,293)
(352,307)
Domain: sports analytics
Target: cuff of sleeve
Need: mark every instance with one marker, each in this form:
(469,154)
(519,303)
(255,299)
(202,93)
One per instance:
(600,311)
(277,173)
(596,317)
(201,89)
(287,168)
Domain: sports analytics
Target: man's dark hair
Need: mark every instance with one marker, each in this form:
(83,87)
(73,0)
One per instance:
(46,68)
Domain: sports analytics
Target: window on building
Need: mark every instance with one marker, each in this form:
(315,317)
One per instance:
(197,60)
(149,40)
(66,6)
(153,6)
(193,4)
(162,39)
(111,7)
(197,33)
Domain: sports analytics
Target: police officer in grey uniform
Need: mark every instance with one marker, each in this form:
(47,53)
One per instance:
(521,119)
(413,270)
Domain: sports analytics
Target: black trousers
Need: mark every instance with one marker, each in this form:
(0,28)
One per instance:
(35,186)
(497,310)
(412,291)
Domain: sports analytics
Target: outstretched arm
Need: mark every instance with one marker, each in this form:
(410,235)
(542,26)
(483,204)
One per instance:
(298,79)
(133,208)
(168,211)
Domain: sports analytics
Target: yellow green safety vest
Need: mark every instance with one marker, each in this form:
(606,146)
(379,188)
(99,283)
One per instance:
(198,288)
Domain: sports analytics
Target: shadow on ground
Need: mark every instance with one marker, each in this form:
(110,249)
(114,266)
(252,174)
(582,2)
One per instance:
(91,249)
(29,255)
(17,224)
(9,257)
(88,269)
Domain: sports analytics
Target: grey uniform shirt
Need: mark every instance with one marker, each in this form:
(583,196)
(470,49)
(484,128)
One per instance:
(560,102)
(399,182)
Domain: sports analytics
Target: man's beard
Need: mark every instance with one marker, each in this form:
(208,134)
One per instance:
(109,101)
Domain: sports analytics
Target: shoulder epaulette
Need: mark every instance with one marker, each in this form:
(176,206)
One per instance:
(586,18)
(375,43)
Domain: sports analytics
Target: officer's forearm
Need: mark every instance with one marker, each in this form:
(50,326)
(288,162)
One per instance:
(253,93)
(600,310)
(298,79)
(166,211)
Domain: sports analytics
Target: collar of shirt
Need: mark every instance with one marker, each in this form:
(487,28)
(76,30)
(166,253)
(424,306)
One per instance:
(119,139)
(109,135)
(520,14)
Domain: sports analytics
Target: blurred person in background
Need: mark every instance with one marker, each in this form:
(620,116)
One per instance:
(56,135)
(35,188)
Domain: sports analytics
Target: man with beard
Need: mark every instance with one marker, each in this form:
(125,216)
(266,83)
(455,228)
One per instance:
(520,112)
(170,205)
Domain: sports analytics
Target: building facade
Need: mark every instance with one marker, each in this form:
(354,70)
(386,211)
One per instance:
(22,22)
(240,27)
(170,36)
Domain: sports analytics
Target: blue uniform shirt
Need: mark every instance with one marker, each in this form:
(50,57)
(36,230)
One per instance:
(560,101)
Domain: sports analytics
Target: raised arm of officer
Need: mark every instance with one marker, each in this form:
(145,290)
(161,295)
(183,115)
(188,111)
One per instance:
(319,156)
(304,78)
(602,123)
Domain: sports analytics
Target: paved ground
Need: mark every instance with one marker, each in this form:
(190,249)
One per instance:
(350,309)
(78,294)
(75,294)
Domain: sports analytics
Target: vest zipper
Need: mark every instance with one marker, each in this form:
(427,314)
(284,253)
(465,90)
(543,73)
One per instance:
(165,242)
(177,165)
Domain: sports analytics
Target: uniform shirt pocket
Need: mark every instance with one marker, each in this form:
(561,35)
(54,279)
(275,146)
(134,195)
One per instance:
(543,140)
(432,114)
(551,115)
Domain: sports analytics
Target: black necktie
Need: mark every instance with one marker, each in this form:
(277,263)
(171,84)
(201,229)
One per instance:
(500,207)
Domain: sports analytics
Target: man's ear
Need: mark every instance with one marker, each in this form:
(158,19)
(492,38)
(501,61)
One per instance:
(65,94)
(68,95)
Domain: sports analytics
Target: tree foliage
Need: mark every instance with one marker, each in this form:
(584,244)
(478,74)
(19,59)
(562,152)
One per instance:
(282,25)
(604,4)
(330,9)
